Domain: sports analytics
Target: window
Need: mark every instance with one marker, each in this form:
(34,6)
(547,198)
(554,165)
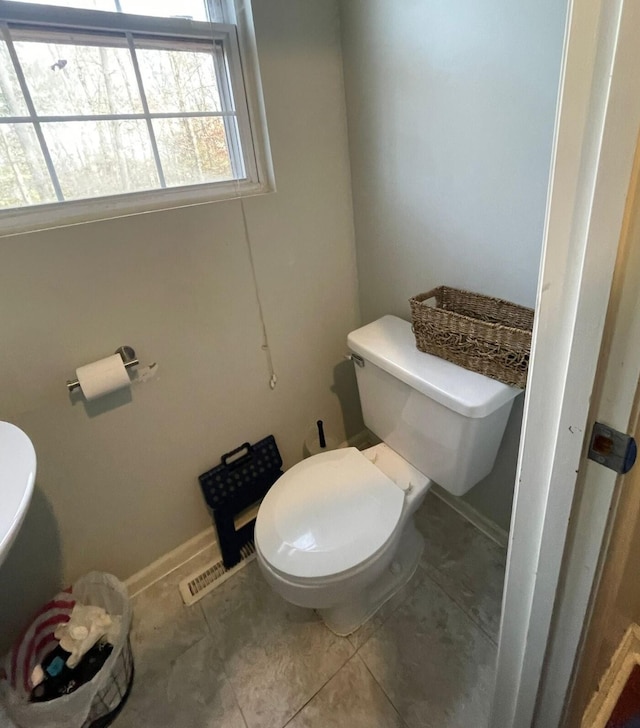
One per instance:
(116,98)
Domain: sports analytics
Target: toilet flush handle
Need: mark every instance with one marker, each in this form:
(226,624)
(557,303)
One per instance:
(355,358)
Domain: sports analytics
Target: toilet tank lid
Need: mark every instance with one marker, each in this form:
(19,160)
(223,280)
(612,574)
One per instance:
(389,344)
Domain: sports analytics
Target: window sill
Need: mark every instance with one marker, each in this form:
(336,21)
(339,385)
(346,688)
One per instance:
(75,212)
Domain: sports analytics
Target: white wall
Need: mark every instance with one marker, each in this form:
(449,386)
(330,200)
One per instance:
(451,108)
(117,483)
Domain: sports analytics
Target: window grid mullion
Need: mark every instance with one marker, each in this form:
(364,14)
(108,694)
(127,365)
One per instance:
(33,116)
(48,118)
(145,108)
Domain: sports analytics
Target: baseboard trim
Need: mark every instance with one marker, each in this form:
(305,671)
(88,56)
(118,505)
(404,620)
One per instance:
(182,556)
(171,561)
(614,681)
(469,513)
(362,440)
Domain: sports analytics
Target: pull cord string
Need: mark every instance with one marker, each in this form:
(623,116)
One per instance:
(273,378)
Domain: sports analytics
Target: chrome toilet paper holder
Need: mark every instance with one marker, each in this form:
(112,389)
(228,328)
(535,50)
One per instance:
(129,360)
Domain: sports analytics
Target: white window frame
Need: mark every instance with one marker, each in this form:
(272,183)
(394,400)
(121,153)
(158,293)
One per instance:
(25,20)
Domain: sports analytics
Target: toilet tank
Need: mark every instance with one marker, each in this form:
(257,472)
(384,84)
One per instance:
(446,421)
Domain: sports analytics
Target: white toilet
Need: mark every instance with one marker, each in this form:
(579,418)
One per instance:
(335,532)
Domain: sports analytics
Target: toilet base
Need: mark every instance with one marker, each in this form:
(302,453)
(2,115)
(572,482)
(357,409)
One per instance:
(344,619)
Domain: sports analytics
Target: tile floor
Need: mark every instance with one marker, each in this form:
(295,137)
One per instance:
(243,658)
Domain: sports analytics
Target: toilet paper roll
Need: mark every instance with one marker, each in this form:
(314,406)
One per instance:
(103,376)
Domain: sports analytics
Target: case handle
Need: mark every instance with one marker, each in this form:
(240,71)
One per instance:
(230,461)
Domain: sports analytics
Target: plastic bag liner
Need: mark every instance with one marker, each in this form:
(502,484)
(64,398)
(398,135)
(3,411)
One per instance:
(73,710)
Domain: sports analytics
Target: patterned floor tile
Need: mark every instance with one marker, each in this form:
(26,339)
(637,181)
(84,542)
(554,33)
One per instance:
(351,698)
(434,663)
(277,656)
(361,635)
(468,565)
(163,628)
(191,691)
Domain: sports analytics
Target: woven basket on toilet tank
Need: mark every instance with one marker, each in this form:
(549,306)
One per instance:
(484,334)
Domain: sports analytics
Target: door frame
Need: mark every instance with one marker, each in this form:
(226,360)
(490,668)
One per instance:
(598,491)
(597,122)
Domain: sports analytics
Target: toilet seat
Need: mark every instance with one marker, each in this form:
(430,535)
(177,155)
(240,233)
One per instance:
(330,579)
(327,515)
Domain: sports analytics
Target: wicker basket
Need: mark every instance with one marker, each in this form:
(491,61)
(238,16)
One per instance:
(484,334)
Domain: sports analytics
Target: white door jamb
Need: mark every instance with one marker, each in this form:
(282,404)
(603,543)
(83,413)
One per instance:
(596,129)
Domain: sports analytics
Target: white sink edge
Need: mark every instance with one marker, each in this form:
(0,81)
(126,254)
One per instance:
(9,537)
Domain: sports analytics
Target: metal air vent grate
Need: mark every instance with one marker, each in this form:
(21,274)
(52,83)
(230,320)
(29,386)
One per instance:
(196,586)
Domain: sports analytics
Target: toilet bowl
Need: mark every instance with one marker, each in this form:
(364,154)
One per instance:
(338,524)
(336,532)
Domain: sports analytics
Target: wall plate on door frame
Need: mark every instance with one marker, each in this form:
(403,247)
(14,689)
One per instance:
(611,448)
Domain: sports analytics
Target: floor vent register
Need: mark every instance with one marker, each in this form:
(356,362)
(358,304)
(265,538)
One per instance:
(205,580)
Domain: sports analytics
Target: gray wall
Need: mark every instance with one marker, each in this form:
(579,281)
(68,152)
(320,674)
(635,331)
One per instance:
(451,108)
(117,483)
